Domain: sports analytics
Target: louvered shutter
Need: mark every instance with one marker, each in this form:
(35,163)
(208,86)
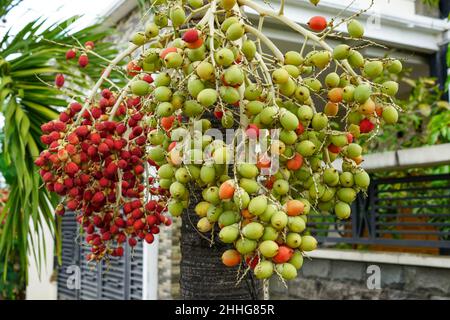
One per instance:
(136,272)
(89,277)
(116,279)
(69,255)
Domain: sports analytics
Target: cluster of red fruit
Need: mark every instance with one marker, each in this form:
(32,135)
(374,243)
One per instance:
(97,168)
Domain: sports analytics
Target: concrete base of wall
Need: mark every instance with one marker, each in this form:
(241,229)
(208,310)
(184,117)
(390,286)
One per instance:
(343,280)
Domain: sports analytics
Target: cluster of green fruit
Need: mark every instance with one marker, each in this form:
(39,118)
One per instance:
(198,63)
(264,217)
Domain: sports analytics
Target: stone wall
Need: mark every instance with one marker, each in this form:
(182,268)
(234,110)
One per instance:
(169,257)
(343,280)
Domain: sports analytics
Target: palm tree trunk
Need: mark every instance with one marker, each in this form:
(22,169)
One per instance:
(203,276)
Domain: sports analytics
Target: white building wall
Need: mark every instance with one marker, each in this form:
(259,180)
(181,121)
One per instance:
(42,286)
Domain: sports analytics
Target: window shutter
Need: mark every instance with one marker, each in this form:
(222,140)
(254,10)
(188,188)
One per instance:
(136,272)
(69,256)
(116,279)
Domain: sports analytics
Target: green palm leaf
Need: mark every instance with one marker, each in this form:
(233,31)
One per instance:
(28,99)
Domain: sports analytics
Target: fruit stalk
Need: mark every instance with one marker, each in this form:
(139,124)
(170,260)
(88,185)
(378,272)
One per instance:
(296,27)
(105,75)
(267,42)
(281,11)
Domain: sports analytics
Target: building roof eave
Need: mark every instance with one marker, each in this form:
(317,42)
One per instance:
(413,32)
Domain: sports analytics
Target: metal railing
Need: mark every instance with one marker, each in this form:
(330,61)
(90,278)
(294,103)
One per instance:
(405,212)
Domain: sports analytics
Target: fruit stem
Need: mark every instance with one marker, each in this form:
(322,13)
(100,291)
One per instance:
(296,27)
(266,41)
(194,12)
(260,26)
(326,155)
(205,19)
(212,11)
(267,75)
(281,12)
(120,99)
(79,48)
(105,75)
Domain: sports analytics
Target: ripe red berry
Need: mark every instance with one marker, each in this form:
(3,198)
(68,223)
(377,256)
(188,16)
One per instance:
(103,103)
(121,128)
(83,61)
(167,122)
(154,229)
(252,262)
(136,204)
(60,210)
(59,80)
(317,23)
(96,113)
(59,126)
(366,126)
(334,149)
(149,238)
(111,169)
(190,36)
(137,214)
(151,220)
(218,113)
(64,117)
(89,45)
(47,176)
(98,197)
(151,206)
(138,225)
(82,131)
(106,236)
(168,222)
(75,107)
(119,144)
(133,69)
(132,242)
(73,192)
(300,129)
(106,93)
(71,54)
(118,252)
(121,238)
(137,131)
(103,182)
(103,148)
(139,169)
(147,78)
(122,164)
(39,162)
(252,131)
(71,169)
(59,188)
(47,127)
(349,137)
(72,205)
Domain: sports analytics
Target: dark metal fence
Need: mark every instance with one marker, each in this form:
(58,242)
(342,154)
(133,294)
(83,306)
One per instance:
(407,212)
